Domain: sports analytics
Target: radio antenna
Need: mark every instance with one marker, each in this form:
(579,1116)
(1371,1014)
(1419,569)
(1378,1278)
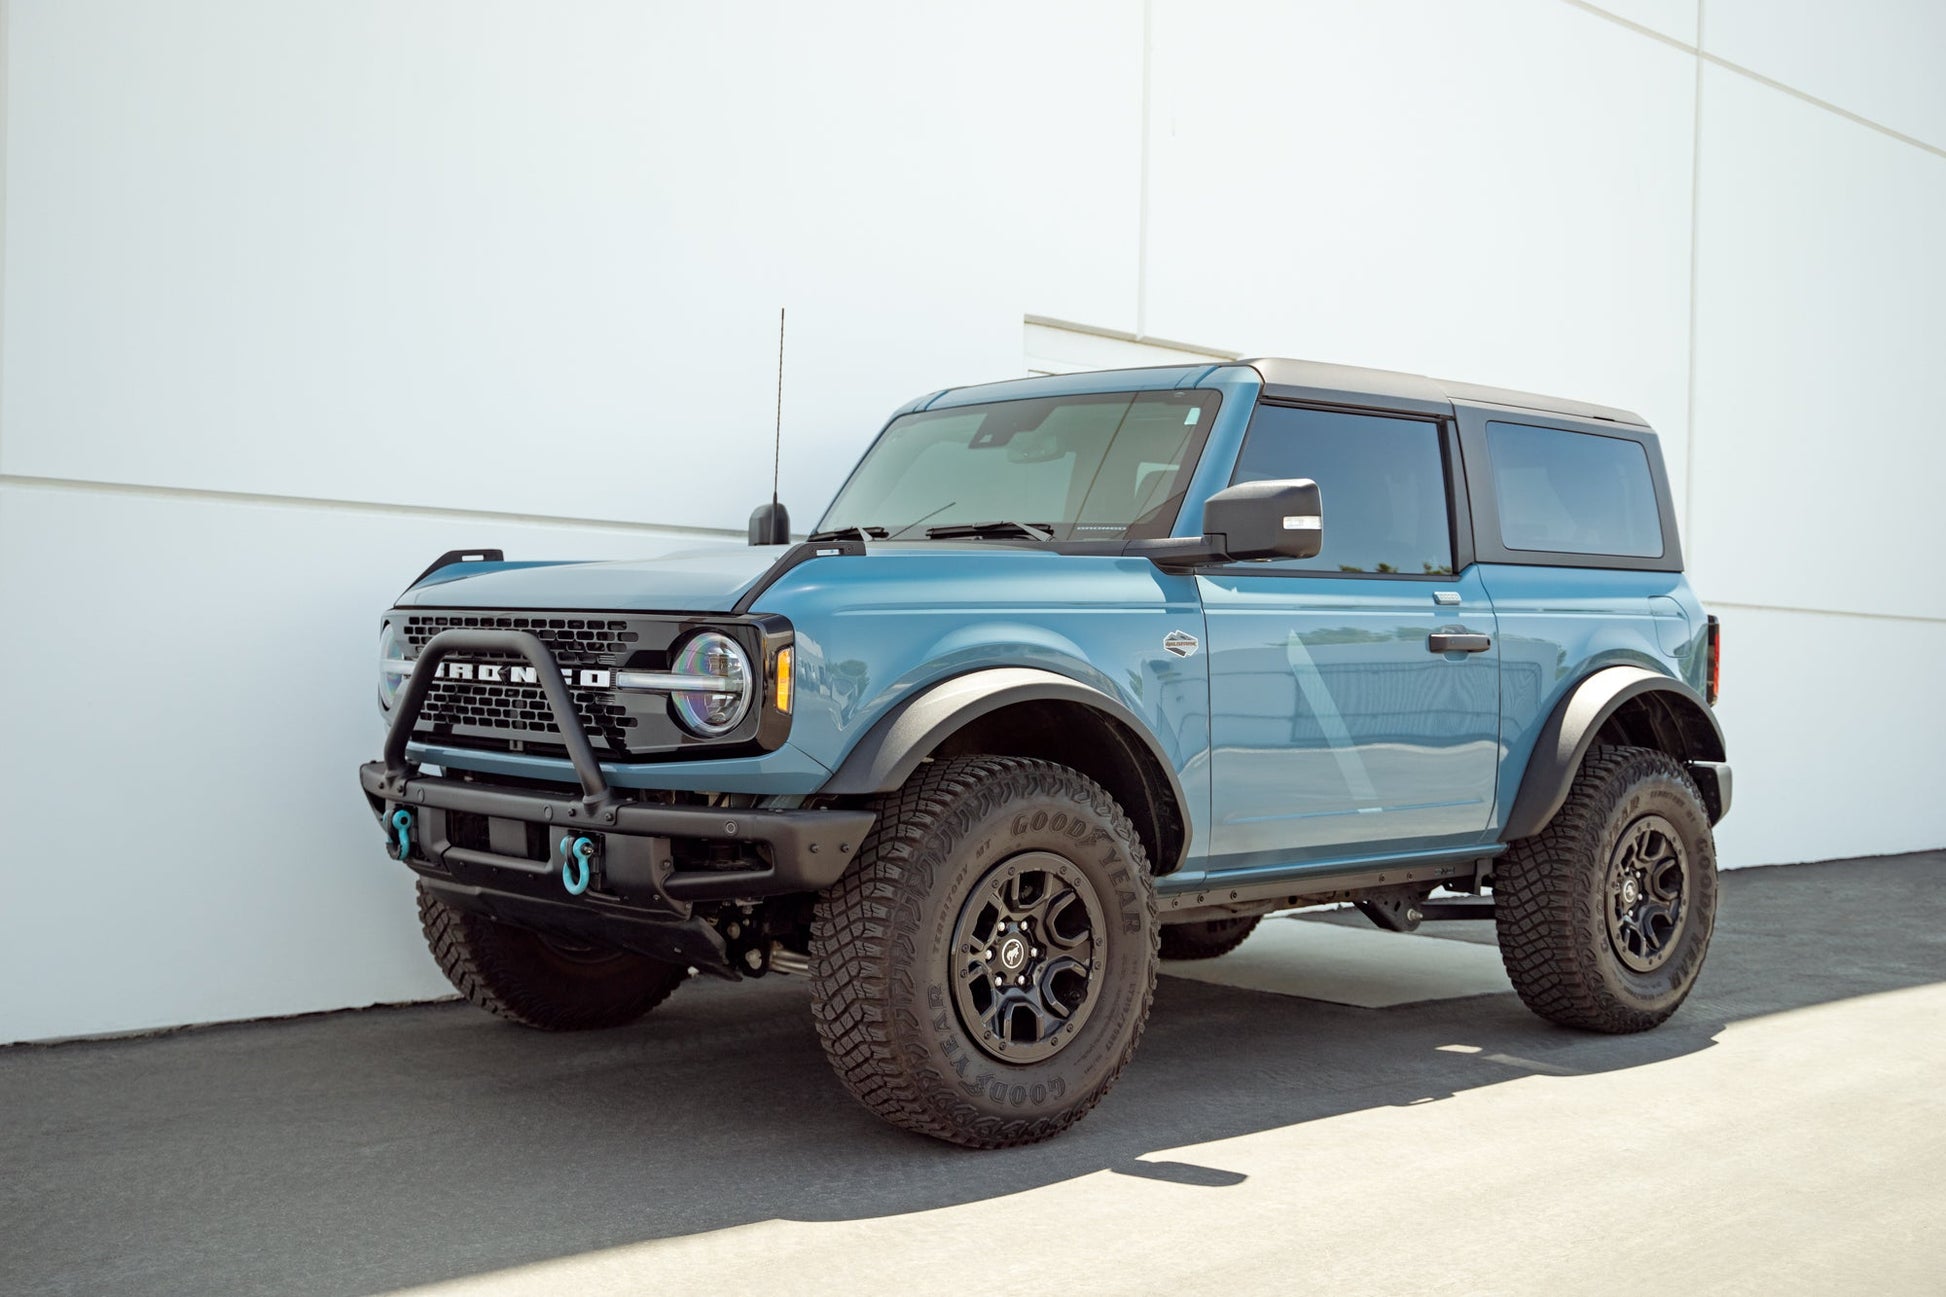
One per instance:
(777,450)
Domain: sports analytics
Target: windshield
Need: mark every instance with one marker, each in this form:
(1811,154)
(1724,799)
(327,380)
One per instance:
(1102,466)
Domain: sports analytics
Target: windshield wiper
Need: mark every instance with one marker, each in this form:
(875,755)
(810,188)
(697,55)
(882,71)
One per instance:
(916,521)
(982,530)
(850,533)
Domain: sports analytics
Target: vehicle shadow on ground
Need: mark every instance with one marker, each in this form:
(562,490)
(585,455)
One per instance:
(355,1153)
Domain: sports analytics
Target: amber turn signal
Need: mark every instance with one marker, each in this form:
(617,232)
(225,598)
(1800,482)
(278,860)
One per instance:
(780,687)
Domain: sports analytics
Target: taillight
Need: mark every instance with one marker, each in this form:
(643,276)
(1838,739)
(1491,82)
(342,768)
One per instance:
(1716,660)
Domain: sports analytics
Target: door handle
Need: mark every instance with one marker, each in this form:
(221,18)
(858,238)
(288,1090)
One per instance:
(1450,642)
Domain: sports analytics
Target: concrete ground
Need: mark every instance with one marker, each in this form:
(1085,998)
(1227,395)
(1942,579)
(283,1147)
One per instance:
(1784,1133)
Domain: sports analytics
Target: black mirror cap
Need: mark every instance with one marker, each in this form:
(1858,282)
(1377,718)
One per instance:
(770,524)
(1276,519)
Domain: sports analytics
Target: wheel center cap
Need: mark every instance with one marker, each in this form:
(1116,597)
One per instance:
(1629,892)
(1013,953)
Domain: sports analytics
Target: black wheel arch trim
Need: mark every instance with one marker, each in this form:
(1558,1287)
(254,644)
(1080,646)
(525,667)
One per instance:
(1577,719)
(885,757)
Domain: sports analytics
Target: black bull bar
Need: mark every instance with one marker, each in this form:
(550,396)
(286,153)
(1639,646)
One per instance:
(619,850)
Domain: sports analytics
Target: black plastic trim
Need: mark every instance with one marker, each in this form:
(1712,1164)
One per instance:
(893,748)
(1309,883)
(1713,777)
(676,938)
(807,849)
(803,552)
(1570,731)
(453,556)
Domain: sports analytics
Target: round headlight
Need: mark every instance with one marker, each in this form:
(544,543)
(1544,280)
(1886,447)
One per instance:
(715,712)
(393,665)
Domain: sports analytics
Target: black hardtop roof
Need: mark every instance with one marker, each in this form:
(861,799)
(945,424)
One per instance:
(1312,380)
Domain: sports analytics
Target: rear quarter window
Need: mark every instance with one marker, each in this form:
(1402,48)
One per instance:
(1566,492)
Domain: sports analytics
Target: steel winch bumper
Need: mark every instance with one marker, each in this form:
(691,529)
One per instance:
(518,853)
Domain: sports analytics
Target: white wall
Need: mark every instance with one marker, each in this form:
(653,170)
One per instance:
(294,296)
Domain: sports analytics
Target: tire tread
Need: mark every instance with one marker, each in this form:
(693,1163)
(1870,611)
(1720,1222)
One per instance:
(856,928)
(478,957)
(1542,914)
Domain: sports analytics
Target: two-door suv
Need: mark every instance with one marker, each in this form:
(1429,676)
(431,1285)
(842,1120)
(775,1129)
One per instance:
(1077,673)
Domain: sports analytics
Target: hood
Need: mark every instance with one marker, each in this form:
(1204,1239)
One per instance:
(694,580)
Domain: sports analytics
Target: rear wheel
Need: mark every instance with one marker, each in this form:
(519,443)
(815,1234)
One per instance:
(1605,915)
(537,981)
(983,971)
(1208,939)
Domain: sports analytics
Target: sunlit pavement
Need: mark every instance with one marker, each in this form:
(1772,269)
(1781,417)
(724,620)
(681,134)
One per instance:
(1785,1133)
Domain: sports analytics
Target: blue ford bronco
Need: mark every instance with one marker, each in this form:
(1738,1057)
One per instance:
(1078,673)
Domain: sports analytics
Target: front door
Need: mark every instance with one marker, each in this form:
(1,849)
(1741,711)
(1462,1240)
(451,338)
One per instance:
(1354,697)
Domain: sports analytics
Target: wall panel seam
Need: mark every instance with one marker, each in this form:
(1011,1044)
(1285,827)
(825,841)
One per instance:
(1695,228)
(1918,618)
(6,94)
(1636,27)
(357,506)
(1142,182)
(1738,68)
(1809,98)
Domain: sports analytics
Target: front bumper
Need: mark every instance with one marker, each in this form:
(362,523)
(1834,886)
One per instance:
(772,851)
(593,857)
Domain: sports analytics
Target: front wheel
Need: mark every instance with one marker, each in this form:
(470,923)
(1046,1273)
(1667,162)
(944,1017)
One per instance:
(1605,915)
(537,981)
(983,971)
(1207,939)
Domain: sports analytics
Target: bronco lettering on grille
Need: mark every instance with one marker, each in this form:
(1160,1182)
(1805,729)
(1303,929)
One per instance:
(497,673)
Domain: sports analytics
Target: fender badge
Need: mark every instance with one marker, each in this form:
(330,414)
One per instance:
(1181,643)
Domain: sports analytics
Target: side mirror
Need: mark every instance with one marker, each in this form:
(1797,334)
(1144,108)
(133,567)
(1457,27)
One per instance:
(1279,519)
(1250,520)
(770,524)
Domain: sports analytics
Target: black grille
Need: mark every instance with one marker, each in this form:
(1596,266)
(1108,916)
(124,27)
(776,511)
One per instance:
(522,709)
(574,641)
(501,716)
(511,711)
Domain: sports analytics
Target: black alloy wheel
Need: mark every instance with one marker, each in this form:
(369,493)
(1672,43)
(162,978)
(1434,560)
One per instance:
(1026,957)
(1647,886)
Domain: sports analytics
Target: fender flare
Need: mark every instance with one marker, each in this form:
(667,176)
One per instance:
(1571,728)
(885,757)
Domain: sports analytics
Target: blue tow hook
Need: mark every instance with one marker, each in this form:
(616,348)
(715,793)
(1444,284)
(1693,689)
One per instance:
(402,821)
(577,852)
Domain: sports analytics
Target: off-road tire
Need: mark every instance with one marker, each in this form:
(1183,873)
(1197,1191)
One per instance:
(1552,897)
(1208,939)
(526,979)
(883,990)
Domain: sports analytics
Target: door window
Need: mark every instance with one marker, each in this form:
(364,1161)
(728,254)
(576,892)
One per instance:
(1382,481)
